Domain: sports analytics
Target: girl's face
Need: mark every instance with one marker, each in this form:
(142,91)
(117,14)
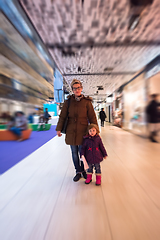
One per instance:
(92,132)
(77,89)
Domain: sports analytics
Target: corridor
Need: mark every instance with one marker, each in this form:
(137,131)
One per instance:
(39,200)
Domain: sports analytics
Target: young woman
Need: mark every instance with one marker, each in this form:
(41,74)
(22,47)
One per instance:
(81,113)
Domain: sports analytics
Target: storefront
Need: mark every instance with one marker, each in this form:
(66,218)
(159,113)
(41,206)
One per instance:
(154,84)
(117,108)
(135,99)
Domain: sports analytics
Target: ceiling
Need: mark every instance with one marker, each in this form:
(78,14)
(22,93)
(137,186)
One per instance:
(90,40)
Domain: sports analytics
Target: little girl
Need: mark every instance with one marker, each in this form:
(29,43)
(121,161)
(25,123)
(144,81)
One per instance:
(93,151)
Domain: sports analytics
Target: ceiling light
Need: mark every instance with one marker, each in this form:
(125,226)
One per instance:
(137,8)
(100,88)
(133,22)
(108,69)
(96,93)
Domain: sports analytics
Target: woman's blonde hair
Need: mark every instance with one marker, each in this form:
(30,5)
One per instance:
(92,125)
(75,81)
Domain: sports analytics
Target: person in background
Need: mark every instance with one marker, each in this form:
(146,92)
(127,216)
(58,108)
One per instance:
(11,122)
(20,123)
(47,116)
(81,113)
(102,116)
(41,122)
(93,151)
(153,116)
(30,118)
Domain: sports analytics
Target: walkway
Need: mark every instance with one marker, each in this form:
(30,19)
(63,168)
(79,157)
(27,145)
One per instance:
(39,200)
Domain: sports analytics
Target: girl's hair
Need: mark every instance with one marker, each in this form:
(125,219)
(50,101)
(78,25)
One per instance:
(92,125)
(75,81)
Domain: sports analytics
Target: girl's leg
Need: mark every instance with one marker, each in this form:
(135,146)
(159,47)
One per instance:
(90,169)
(98,173)
(97,167)
(89,174)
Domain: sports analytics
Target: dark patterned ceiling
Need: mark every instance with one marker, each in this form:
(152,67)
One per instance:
(91,40)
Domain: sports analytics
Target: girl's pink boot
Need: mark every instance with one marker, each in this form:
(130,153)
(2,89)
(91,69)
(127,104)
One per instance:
(98,180)
(89,178)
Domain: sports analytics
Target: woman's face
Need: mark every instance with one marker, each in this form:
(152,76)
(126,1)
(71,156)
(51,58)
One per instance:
(77,89)
(92,132)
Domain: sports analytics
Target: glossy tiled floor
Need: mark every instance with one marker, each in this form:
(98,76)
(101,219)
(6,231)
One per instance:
(39,200)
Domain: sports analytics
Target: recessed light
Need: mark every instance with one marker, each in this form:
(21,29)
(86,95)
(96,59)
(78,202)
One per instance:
(108,69)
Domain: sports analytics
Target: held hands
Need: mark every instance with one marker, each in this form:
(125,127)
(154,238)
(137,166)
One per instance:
(59,134)
(84,162)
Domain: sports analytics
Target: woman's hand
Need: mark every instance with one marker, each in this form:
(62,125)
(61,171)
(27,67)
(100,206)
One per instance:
(105,157)
(59,134)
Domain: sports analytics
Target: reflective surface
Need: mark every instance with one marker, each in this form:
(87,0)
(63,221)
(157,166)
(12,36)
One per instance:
(41,201)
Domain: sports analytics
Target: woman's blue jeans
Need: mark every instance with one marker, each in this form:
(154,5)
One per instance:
(78,164)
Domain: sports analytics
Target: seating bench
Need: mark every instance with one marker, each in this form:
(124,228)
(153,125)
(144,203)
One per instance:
(3,126)
(34,127)
(6,135)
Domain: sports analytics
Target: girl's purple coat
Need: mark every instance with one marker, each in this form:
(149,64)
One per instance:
(93,149)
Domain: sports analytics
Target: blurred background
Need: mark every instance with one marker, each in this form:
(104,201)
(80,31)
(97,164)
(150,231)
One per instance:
(111,46)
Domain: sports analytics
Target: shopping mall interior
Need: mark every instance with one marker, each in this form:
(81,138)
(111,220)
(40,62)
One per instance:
(113,48)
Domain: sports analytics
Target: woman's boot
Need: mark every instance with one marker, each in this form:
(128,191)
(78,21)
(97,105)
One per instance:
(89,178)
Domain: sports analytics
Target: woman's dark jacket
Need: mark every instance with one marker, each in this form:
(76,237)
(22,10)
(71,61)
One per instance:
(102,115)
(152,112)
(93,149)
(80,114)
